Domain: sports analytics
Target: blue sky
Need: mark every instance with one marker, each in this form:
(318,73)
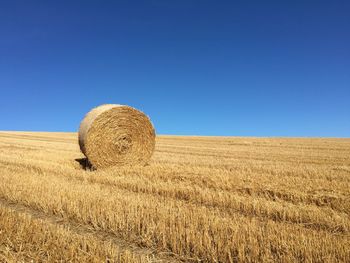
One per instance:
(240,68)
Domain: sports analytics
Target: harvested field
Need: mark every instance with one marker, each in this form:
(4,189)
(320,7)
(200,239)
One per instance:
(211,199)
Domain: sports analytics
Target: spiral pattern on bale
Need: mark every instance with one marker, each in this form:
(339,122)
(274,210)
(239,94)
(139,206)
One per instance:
(113,134)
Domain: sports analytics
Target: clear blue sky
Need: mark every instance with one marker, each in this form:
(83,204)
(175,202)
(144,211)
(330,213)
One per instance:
(242,68)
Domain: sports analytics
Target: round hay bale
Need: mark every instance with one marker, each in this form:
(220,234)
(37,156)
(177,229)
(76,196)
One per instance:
(114,134)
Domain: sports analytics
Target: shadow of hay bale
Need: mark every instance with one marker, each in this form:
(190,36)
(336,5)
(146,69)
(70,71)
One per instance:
(85,164)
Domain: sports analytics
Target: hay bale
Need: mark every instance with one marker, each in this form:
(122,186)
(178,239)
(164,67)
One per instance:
(114,134)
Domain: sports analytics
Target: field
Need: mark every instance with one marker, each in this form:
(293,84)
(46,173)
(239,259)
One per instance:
(208,199)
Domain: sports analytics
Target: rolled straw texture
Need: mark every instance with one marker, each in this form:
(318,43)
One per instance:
(115,134)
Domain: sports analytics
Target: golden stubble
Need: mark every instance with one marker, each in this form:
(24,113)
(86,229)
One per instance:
(213,199)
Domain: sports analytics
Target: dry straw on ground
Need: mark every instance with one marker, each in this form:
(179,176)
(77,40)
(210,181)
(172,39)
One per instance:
(114,134)
(201,199)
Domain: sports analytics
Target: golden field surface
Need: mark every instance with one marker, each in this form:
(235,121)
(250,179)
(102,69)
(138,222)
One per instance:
(209,199)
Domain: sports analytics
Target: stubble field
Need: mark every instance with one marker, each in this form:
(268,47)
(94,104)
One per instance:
(207,199)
